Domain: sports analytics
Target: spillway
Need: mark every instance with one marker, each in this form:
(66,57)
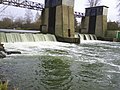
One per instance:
(25,37)
(86,37)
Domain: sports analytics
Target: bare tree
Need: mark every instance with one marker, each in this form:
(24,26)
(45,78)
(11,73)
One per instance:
(28,16)
(93,3)
(118,7)
(19,22)
(37,17)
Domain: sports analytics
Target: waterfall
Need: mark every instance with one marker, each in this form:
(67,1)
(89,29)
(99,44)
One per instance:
(92,37)
(3,37)
(95,38)
(81,36)
(86,37)
(38,37)
(51,37)
(25,37)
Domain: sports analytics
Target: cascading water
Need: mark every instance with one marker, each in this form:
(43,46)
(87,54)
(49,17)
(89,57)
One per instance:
(92,37)
(87,37)
(81,37)
(25,37)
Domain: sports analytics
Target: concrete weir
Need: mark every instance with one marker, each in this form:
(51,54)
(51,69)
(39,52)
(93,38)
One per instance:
(68,40)
(58,24)
(12,36)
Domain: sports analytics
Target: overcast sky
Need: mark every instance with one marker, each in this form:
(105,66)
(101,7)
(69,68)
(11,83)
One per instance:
(80,6)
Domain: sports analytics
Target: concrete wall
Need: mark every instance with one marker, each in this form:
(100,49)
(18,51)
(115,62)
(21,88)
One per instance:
(105,11)
(59,20)
(85,25)
(71,21)
(68,3)
(64,21)
(44,19)
(99,26)
(104,25)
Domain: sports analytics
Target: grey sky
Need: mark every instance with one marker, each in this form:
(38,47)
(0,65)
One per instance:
(80,6)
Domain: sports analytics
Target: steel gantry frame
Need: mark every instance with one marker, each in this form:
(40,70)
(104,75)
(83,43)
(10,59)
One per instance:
(23,4)
(31,5)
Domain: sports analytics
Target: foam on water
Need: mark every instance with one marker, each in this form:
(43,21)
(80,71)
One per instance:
(36,47)
(92,64)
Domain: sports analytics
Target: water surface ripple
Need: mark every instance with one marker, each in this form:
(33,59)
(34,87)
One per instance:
(62,66)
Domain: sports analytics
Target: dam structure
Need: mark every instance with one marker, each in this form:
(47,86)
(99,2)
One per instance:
(95,21)
(87,37)
(24,36)
(58,19)
(58,16)
(57,23)
(12,36)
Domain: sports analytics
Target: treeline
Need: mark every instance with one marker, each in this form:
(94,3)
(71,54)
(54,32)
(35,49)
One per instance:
(21,23)
(113,25)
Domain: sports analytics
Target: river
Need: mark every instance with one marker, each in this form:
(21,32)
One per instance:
(93,65)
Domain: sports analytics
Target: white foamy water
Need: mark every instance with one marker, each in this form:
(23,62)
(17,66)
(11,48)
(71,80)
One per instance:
(36,47)
(91,65)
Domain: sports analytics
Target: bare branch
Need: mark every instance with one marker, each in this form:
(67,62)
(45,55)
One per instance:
(93,3)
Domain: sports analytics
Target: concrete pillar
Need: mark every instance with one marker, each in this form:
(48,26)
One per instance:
(58,16)
(84,24)
(101,23)
(44,20)
(64,21)
(95,21)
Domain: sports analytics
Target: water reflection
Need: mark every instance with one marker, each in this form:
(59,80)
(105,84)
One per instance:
(56,74)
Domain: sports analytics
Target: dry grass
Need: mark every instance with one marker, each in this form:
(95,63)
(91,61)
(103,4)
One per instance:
(4,85)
